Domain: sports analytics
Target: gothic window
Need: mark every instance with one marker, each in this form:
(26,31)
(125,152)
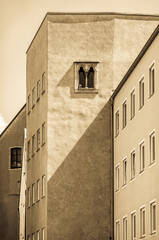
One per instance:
(86,77)
(90,83)
(82,78)
(16,157)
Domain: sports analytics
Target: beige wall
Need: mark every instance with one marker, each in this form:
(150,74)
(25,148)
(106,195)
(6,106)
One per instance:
(143,188)
(36,166)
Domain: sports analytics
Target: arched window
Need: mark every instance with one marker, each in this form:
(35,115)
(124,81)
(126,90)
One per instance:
(81,78)
(90,83)
(15,157)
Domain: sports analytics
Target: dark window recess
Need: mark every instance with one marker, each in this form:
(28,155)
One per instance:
(81,78)
(16,158)
(90,78)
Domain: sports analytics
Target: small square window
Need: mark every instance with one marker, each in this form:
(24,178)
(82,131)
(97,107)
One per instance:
(117,178)
(141,93)
(153,217)
(15,157)
(43,83)
(152,148)
(124,114)
(151,80)
(124,171)
(38,139)
(142,157)
(38,90)
(117,123)
(33,97)
(142,222)
(133,165)
(132,104)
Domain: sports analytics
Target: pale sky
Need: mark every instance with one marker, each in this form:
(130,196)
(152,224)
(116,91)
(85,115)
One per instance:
(19,21)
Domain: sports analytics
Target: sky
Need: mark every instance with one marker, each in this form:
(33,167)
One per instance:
(19,22)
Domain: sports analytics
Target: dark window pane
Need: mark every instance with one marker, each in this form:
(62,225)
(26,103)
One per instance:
(81,77)
(16,157)
(91,78)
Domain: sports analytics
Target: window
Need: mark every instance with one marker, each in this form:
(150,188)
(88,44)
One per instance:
(43,83)
(151,80)
(117,123)
(28,150)
(28,237)
(141,93)
(28,199)
(133,165)
(117,178)
(142,157)
(33,97)
(38,139)
(38,90)
(152,148)
(38,190)
(29,106)
(153,217)
(43,234)
(133,226)
(43,185)
(15,157)
(43,133)
(38,235)
(142,222)
(132,104)
(33,236)
(124,114)
(33,144)
(125,228)
(117,230)
(33,193)
(124,171)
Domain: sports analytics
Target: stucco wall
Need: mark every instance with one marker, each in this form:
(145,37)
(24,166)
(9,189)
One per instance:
(10,178)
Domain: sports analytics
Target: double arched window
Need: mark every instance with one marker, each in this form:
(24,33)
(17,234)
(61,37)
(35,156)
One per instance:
(86,77)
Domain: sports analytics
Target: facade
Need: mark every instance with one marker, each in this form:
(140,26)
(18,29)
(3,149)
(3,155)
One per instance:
(136,166)
(74,63)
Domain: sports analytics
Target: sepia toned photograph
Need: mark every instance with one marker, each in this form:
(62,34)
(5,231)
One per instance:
(79,131)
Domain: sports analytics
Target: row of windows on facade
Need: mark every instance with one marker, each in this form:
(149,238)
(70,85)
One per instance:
(134,223)
(152,157)
(38,93)
(36,192)
(132,100)
(36,236)
(37,141)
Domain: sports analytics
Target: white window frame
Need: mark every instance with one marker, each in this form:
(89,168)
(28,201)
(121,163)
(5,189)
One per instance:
(124,113)
(33,97)
(141,92)
(38,189)
(117,123)
(43,185)
(153,221)
(117,229)
(152,79)
(125,167)
(142,157)
(142,221)
(33,193)
(133,225)
(43,82)
(117,176)
(38,139)
(152,147)
(132,104)
(125,228)
(133,164)
(38,90)
(28,196)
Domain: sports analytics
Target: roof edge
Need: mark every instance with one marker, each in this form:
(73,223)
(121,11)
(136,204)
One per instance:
(13,120)
(136,61)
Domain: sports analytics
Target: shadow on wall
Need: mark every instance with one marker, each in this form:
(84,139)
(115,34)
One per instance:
(68,80)
(79,193)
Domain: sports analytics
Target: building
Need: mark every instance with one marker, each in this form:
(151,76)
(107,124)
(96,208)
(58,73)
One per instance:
(136,167)
(74,64)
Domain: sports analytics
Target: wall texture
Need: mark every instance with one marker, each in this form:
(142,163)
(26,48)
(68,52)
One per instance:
(10,179)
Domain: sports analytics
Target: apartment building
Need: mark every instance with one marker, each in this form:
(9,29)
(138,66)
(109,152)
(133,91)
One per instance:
(136,131)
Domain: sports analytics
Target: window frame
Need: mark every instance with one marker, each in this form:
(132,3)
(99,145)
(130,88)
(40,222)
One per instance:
(125,178)
(33,193)
(124,114)
(151,86)
(117,177)
(28,150)
(133,169)
(43,83)
(132,104)
(38,139)
(38,90)
(10,156)
(142,161)
(43,233)
(43,133)
(38,190)
(117,121)
(153,203)
(152,154)
(141,92)
(33,97)
(142,233)
(117,225)
(29,103)
(28,197)
(33,145)
(125,220)
(38,235)
(133,225)
(33,236)
(43,186)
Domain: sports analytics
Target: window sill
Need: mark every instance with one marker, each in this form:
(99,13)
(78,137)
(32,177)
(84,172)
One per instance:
(43,196)
(43,92)
(33,154)
(28,112)
(33,106)
(28,159)
(116,135)
(151,95)
(153,233)
(43,144)
(132,117)
(142,171)
(86,90)
(141,107)
(132,179)
(124,185)
(38,149)
(33,204)
(38,200)
(152,163)
(38,99)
